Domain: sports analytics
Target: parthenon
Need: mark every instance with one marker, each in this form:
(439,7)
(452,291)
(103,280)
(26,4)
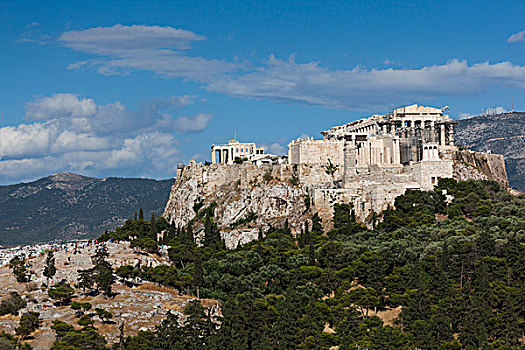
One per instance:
(414,139)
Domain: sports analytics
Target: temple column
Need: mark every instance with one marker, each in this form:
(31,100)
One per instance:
(396,151)
(442,135)
(213,160)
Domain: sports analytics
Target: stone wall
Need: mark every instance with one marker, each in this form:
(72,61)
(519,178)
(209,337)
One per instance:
(428,173)
(307,151)
(368,193)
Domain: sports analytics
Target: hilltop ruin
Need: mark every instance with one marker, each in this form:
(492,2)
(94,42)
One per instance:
(367,162)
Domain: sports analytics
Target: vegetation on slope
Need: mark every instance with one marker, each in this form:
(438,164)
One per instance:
(460,280)
(66,205)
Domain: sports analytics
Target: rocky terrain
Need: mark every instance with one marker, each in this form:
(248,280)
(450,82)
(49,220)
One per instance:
(66,206)
(502,134)
(245,198)
(138,308)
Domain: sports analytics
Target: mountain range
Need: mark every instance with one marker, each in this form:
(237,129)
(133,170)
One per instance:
(69,206)
(501,134)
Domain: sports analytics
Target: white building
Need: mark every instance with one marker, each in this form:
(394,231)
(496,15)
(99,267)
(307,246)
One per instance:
(227,153)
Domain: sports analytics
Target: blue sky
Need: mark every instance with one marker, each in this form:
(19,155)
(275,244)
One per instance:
(114,88)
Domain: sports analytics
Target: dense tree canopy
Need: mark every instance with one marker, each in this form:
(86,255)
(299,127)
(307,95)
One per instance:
(451,259)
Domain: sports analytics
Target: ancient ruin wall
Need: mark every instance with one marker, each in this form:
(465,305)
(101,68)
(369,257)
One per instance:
(279,192)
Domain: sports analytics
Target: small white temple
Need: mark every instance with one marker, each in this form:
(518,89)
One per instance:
(226,154)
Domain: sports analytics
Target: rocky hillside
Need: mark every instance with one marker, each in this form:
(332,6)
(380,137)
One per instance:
(245,197)
(66,205)
(501,134)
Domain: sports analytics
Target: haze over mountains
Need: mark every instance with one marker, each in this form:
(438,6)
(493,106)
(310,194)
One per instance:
(501,134)
(66,206)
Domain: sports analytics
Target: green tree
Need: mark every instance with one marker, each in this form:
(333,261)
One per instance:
(75,305)
(102,272)
(85,321)
(17,264)
(11,304)
(50,269)
(103,315)
(61,292)
(85,279)
(29,322)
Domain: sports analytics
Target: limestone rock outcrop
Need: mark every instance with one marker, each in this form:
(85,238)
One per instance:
(246,196)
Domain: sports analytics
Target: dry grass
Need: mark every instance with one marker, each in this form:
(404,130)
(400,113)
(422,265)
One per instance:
(155,287)
(10,317)
(388,316)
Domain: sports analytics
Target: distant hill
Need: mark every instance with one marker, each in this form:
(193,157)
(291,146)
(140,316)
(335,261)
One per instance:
(501,134)
(67,205)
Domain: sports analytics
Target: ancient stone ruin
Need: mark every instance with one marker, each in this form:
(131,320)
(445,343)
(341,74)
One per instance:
(368,162)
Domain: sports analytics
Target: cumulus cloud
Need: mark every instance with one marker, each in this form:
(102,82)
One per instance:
(153,48)
(69,132)
(520,36)
(196,123)
(60,106)
(275,148)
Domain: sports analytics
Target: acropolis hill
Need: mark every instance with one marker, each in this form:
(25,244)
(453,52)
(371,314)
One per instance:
(367,162)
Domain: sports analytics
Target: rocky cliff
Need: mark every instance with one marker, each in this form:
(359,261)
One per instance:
(246,196)
(470,165)
(498,134)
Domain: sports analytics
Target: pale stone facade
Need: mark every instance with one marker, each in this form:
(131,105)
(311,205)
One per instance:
(310,151)
(414,139)
(226,154)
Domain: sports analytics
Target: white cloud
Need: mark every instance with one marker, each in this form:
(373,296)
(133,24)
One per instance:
(462,116)
(520,36)
(127,38)
(275,148)
(60,106)
(140,47)
(310,83)
(166,51)
(74,133)
(196,123)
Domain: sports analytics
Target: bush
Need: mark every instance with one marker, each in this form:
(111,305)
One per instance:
(61,292)
(12,304)
(29,322)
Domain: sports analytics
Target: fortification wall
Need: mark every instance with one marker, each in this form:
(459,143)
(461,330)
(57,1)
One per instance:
(367,193)
(428,173)
(316,152)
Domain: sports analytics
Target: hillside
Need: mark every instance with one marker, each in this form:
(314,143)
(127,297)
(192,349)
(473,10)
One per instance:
(438,272)
(67,205)
(501,134)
